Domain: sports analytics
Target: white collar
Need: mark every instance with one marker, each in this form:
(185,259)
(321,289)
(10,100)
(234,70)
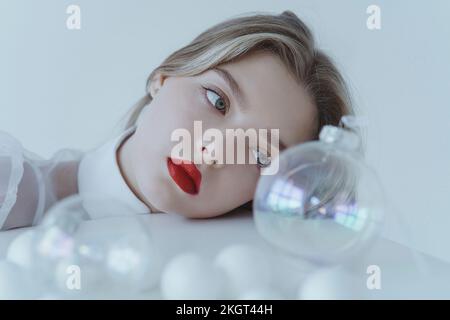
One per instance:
(99,175)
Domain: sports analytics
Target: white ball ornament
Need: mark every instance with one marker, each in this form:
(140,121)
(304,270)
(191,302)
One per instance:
(263,293)
(20,250)
(333,283)
(190,276)
(247,268)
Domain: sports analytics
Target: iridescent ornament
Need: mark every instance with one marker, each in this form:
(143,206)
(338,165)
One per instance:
(324,203)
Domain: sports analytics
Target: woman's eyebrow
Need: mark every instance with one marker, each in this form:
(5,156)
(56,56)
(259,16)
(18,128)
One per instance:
(232,83)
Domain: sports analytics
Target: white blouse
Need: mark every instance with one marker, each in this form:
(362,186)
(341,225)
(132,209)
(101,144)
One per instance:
(29,184)
(99,176)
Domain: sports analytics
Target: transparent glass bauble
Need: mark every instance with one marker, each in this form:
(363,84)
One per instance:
(324,203)
(94,248)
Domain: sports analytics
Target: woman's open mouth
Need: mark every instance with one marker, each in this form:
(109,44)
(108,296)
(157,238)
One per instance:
(185,174)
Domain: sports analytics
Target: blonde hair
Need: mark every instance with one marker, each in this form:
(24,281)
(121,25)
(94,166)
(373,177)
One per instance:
(284,35)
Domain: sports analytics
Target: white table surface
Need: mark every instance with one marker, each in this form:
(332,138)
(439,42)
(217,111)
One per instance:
(402,277)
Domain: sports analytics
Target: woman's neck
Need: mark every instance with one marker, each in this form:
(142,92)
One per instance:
(125,164)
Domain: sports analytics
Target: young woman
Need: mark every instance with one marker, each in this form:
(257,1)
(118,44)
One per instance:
(259,71)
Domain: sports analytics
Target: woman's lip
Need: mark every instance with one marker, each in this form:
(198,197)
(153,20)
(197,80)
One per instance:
(185,174)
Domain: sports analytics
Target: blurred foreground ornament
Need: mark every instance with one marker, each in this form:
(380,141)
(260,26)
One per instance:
(189,276)
(108,262)
(247,267)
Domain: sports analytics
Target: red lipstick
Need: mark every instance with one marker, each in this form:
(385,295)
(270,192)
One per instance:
(185,174)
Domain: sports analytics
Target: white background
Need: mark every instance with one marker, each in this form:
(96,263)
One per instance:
(68,89)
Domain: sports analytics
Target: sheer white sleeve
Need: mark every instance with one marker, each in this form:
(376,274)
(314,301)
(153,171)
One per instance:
(29,184)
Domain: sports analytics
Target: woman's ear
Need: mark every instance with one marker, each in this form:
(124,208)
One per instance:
(156,84)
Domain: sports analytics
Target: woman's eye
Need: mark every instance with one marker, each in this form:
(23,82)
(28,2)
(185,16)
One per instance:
(262,160)
(216,100)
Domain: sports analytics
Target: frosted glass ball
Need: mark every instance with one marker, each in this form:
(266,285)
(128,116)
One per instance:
(190,276)
(81,275)
(262,293)
(333,283)
(247,268)
(20,249)
(55,238)
(133,262)
(115,255)
(323,203)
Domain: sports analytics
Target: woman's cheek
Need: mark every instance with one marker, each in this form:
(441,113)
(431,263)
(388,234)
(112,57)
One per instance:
(244,181)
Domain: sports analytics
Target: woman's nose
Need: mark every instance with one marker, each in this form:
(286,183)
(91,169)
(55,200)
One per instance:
(207,152)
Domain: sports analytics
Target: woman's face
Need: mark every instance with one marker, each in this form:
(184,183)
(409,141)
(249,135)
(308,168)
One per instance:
(270,99)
